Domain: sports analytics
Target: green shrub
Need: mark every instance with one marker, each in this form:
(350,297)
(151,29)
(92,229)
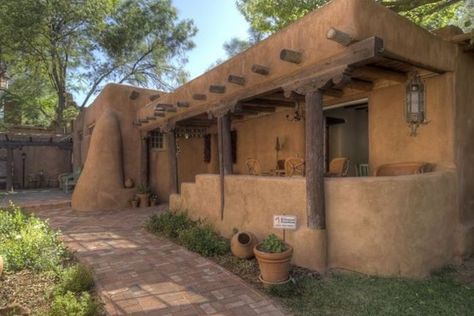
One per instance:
(70,305)
(76,279)
(273,244)
(170,224)
(27,242)
(203,240)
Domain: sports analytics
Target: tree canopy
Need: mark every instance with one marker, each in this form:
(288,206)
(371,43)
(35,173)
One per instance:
(268,16)
(53,48)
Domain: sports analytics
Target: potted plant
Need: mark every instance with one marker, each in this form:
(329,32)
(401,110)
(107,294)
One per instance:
(143,195)
(134,202)
(154,199)
(273,256)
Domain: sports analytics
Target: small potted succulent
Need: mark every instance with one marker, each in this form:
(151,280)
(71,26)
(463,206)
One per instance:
(154,199)
(273,256)
(143,195)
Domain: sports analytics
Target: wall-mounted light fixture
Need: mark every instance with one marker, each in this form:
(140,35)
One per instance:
(415,104)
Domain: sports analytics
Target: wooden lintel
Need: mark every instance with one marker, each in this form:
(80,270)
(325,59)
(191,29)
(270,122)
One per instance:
(21,143)
(183,104)
(291,56)
(271,102)
(266,109)
(340,37)
(413,62)
(361,85)
(261,70)
(322,81)
(336,93)
(374,73)
(199,97)
(236,80)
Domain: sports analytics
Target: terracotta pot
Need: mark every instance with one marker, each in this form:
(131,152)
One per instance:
(129,183)
(274,267)
(242,245)
(134,203)
(1,265)
(154,202)
(144,199)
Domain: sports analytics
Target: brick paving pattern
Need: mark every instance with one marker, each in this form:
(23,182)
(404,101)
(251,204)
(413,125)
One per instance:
(138,273)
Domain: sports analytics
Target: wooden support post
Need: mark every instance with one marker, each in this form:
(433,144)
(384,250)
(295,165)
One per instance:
(225,154)
(9,170)
(314,126)
(173,162)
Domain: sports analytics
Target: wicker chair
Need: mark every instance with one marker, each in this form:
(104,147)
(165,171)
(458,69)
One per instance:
(294,166)
(338,167)
(253,167)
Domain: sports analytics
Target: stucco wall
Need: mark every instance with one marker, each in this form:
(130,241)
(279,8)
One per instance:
(389,134)
(464,146)
(385,226)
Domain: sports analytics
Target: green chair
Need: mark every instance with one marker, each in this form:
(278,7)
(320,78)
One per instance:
(67,181)
(363,170)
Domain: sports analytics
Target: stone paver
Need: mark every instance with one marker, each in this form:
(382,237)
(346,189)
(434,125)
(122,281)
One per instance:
(138,273)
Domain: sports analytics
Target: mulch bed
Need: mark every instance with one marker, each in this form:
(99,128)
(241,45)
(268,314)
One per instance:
(27,289)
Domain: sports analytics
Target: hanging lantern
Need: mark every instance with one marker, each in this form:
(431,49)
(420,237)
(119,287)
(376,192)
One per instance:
(415,104)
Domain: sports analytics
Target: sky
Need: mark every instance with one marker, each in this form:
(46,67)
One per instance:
(217,22)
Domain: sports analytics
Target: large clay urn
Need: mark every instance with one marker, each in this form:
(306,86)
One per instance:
(274,266)
(242,245)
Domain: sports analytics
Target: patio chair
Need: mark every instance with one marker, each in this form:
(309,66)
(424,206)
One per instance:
(67,181)
(253,167)
(294,166)
(338,167)
(363,170)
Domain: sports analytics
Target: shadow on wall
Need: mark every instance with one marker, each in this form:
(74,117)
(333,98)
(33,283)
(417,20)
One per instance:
(100,186)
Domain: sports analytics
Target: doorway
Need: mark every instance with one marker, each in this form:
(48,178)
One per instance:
(347,135)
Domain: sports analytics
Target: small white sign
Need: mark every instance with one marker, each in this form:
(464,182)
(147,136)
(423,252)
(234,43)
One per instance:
(284,221)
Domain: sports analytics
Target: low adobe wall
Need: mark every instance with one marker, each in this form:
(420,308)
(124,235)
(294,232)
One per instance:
(405,225)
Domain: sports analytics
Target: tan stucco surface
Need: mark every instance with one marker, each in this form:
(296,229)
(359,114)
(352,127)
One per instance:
(389,134)
(385,226)
(111,149)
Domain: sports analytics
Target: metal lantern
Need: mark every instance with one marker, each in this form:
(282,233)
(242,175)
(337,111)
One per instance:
(415,104)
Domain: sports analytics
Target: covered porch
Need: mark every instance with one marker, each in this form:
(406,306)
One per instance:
(280,100)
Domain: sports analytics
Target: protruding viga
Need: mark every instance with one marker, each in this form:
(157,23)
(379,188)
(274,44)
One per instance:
(100,186)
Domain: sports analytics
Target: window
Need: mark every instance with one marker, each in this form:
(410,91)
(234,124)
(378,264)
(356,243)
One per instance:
(157,140)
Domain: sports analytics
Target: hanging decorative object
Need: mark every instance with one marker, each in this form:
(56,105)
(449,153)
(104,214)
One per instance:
(298,115)
(415,104)
(191,132)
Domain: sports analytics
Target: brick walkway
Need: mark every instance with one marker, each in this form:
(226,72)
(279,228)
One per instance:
(138,273)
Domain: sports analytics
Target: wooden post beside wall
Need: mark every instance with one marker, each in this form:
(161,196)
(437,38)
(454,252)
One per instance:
(9,167)
(225,154)
(314,126)
(173,162)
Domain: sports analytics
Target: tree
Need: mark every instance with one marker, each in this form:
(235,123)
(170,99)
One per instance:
(81,44)
(268,16)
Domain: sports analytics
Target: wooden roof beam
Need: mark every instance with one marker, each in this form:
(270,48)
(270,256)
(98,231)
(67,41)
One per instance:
(236,80)
(267,109)
(261,70)
(291,56)
(340,37)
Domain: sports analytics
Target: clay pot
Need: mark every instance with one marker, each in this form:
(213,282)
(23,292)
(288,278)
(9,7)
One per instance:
(1,265)
(274,267)
(144,199)
(134,203)
(242,245)
(129,183)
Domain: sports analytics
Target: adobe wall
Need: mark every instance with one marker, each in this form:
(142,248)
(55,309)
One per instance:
(464,149)
(53,161)
(398,226)
(389,134)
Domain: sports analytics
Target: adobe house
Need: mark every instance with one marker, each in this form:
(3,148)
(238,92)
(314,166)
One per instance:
(352,79)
